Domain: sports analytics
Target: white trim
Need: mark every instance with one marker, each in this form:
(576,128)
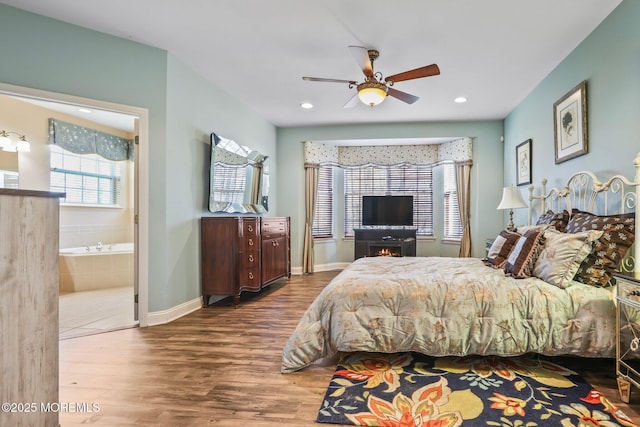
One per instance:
(143,184)
(165,316)
(322,267)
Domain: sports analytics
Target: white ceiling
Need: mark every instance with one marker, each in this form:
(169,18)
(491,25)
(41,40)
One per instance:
(494,52)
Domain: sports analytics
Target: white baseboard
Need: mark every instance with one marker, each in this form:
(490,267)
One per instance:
(166,316)
(322,267)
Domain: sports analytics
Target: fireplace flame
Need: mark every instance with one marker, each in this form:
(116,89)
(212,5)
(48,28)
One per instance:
(386,252)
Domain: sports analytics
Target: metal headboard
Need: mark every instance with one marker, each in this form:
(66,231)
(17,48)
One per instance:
(583,190)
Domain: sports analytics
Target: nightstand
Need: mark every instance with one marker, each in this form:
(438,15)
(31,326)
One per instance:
(628,333)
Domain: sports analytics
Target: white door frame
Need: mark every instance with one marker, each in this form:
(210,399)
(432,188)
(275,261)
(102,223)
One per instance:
(142,165)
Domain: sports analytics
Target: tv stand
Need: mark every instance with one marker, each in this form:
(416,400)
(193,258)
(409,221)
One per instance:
(384,242)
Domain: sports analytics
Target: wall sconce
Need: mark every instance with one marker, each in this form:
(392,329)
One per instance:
(7,144)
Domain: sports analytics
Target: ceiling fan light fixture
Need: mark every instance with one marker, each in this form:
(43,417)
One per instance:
(372,93)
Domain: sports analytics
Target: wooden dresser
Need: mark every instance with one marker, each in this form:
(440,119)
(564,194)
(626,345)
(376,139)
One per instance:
(243,253)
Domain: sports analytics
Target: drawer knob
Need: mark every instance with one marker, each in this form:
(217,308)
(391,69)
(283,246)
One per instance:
(250,228)
(250,258)
(274,243)
(250,242)
(250,275)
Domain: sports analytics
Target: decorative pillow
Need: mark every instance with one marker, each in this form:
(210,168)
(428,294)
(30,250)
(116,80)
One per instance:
(524,254)
(501,248)
(562,254)
(618,235)
(522,229)
(558,220)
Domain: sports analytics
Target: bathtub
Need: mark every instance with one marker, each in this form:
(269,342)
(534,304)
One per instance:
(86,268)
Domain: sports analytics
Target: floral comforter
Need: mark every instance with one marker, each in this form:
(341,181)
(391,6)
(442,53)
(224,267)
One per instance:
(450,307)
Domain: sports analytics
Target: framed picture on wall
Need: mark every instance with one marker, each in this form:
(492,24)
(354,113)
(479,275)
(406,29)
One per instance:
(523,163)
(570,124)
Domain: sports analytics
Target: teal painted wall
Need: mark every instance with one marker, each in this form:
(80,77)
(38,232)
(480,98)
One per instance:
(195,108)
(486,180)
(50,55)
(609,60)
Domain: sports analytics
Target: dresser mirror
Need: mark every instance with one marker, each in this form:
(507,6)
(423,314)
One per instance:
(238,178)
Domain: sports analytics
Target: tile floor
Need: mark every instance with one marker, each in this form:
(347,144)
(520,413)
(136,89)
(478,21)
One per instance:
(94,312)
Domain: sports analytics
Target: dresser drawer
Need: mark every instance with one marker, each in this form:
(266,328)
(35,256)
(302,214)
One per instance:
(249,259)
(249,243)
(273,227)
(249,278)
(628,290)
(250,227)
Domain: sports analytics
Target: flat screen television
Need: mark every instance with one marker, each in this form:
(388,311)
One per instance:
(387,210)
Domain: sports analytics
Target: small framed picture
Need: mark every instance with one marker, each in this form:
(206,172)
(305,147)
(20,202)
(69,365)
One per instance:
(523,163)
(570,123)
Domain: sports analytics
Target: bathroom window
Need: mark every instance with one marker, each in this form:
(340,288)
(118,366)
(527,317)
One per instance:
(87,179)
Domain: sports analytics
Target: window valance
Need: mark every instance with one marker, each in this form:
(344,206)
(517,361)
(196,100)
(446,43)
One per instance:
(83,140)
(459,150)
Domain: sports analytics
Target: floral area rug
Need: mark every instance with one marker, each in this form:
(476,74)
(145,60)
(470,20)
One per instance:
(410,389)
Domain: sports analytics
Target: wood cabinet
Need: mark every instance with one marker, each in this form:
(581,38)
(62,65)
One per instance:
(29,223)
(243,253)
(275,249)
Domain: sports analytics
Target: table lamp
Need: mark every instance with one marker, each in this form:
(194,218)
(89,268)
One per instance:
(511,199)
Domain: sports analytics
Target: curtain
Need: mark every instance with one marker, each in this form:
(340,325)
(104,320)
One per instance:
(311,173)
(83,140)
(463,184)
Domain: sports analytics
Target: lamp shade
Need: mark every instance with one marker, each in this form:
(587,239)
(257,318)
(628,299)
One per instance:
(23,144)
(11,147)
(372,93)
(511,199)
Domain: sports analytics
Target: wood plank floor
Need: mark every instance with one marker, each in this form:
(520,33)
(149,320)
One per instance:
(221,366)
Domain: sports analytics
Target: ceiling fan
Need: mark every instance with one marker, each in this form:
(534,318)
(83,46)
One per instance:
(375,88)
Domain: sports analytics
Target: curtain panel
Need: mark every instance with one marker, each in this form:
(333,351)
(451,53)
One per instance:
(311,172)
(463,191)
(83,140)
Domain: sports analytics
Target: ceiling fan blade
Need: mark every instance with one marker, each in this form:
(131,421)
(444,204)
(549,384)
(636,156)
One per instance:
(319,79)
(402,96)
(361,54)
(429,70)
(352,102)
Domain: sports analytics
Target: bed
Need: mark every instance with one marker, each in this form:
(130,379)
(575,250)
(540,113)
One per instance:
(546,288)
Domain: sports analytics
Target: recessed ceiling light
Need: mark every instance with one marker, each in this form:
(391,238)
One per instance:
(84,110)
(460,99)
(306,105)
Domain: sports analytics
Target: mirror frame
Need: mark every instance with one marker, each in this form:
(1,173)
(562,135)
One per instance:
(253,157)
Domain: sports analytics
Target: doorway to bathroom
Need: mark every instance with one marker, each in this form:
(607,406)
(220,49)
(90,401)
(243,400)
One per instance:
(99,241)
